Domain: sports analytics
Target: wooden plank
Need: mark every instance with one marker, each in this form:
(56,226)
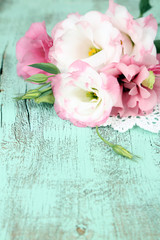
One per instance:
(58,181)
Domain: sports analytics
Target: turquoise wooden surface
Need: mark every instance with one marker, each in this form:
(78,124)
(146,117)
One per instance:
(60,182)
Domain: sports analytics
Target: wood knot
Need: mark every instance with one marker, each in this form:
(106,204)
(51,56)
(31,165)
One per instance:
(81,230)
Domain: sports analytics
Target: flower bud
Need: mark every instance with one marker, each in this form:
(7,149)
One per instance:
(47,99)
(122,151)
(37,78)
(149,82)
(31,94)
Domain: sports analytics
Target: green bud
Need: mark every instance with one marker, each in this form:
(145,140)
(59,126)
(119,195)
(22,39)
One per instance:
(37,78)
(122,151)
(47,99)
(31,94)
(117,148)
(149,82)
(32,91)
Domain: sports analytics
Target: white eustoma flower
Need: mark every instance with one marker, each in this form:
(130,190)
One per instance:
(138,34)
(84,96)
(91,38)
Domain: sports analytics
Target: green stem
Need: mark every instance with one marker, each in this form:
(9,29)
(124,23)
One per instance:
(117,148)
(51,76)
(42,86)
(104,140)
(45,90)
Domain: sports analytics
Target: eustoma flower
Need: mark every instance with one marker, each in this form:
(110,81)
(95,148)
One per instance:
(33,48)
(83,96)
(138,35)
(90,38)
(101,64)
(139,84)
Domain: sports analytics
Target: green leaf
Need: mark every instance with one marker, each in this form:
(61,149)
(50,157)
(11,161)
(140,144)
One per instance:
(144,6)
(157,44)
(47,67)
(37,78)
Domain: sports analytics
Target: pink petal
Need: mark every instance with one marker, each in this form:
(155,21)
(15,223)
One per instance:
(33,48)
(149,103)
(128,71)
(143,74)
(112,86)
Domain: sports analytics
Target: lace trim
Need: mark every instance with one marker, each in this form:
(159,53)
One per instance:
(150,122)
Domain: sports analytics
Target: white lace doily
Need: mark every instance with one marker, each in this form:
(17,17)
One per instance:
(150,122)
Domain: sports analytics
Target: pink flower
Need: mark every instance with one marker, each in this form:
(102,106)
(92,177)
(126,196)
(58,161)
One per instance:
(90,38)
(158,57)
(33,48)
(138,35)
(156,70)
(83,96)
(140,86)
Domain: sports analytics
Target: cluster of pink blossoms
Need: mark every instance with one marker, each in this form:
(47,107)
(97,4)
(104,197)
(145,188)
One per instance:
(108,64)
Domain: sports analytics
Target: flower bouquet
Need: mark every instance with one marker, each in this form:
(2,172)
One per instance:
(94,66)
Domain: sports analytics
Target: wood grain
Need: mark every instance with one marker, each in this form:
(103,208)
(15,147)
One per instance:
(60,182)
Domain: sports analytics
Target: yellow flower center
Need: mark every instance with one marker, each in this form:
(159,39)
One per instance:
(93,51)
(91,95)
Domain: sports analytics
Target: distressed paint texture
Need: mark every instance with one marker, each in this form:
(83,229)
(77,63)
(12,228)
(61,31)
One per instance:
(60,182)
